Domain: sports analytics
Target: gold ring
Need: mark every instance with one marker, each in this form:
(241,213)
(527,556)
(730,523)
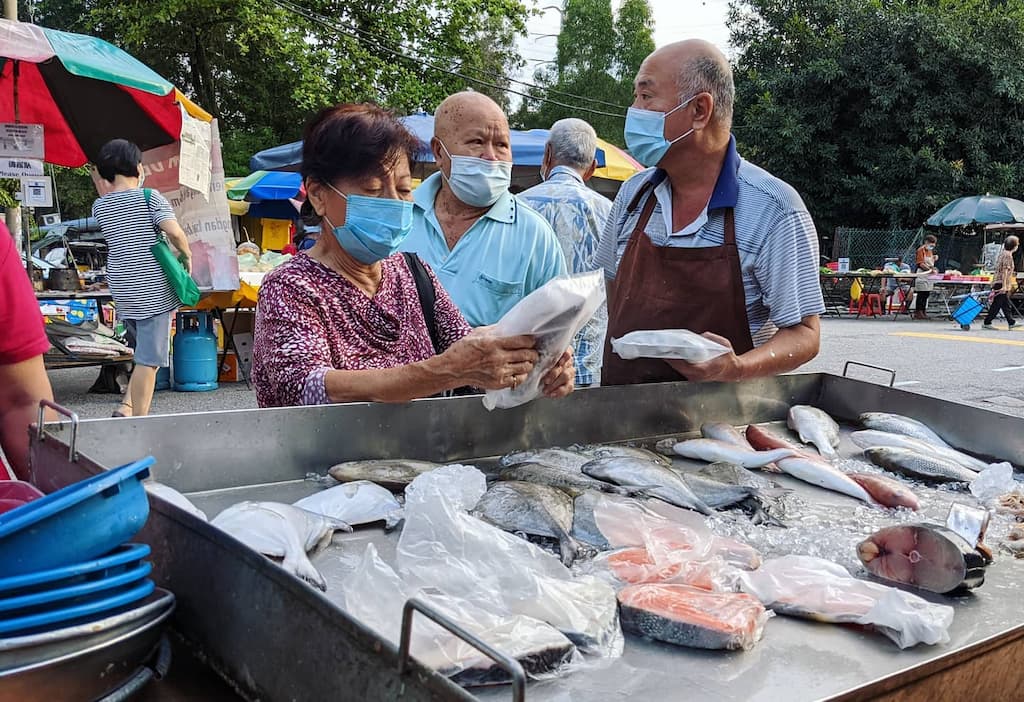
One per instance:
(515,381)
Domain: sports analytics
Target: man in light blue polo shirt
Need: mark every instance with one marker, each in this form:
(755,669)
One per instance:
(705,240)
(487,249)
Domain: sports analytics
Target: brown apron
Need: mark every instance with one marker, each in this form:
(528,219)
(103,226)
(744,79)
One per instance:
(663,287)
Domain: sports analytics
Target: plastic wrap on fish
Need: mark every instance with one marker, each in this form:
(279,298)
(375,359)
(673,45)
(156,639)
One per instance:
(687,616)
(635,566)
(374,594)
(443,546)
(358,502)
(553,314)
(668,533)
(814,588)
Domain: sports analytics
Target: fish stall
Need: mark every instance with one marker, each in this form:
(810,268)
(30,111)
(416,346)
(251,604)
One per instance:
(341,623)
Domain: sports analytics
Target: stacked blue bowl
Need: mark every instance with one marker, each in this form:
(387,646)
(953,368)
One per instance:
(65,558)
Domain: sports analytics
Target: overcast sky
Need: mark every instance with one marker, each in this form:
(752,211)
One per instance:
(673,20)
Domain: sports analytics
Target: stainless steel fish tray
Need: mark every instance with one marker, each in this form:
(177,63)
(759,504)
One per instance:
(275,638)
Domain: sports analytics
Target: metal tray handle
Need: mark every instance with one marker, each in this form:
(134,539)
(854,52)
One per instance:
(890,371)
(507,663)
(43,404)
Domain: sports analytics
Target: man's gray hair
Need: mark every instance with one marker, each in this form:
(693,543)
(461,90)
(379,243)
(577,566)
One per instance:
(573,143)
(705,74)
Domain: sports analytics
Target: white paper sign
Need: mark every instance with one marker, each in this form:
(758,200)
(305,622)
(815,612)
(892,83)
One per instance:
(194,166)
(22,140)
(16,167)
(37,191)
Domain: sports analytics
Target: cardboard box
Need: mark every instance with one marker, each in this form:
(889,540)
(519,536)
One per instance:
(243,347)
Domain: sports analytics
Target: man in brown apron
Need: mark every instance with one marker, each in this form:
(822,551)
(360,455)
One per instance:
(707,241)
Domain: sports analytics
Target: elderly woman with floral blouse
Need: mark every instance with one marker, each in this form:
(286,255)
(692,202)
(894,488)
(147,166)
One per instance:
(343,321)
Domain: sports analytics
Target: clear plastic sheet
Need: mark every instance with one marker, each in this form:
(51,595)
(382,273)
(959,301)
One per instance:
(680,344)
(358,502)
(169,494)
(553,314)
(444,547)
(814,588)
(375,595)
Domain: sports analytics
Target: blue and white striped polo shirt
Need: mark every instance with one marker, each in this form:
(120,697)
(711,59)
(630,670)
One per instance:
(775,235)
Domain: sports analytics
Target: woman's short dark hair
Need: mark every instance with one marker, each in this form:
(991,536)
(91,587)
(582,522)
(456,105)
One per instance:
(118,157)
(1010,243)
(930,238)
(353,141)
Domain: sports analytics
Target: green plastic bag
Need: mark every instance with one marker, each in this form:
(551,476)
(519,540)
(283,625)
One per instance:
(181,282)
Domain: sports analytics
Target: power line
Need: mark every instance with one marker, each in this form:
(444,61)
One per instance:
(372,40)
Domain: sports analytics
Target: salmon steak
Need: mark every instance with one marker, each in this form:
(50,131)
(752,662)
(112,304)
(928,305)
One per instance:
(925,556)
(685,616)
(635,566)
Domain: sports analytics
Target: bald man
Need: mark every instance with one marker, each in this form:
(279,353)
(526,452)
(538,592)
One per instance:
(703,239)
(487,249)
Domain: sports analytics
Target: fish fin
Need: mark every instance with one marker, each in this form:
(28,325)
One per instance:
(569,548)
(639,490)
(303,568)
(338,525)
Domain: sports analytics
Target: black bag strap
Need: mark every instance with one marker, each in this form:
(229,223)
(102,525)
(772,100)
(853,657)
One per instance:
(428,296)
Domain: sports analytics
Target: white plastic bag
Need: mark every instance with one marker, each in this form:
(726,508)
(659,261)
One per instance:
(814,588)
(552,314)
(679,344)
(375,595)
(444,547)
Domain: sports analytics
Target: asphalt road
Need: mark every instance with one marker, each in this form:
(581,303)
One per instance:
(980,367)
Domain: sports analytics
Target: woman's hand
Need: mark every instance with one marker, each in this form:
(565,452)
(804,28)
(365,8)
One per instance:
(561,379)
(491,362)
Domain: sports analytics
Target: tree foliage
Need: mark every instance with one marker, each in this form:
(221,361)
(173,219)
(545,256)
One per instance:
(880,111)
(263,69)
(598,54)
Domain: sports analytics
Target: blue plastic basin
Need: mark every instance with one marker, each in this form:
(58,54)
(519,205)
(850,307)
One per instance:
(64,616)
(79,593)
(76,523)
(124,557)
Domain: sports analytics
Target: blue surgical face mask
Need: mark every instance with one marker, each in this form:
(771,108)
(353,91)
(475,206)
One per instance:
(477,181)
(374,228)
(645,133)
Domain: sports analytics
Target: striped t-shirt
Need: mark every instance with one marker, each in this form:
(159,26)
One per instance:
(138,284)
(776,238)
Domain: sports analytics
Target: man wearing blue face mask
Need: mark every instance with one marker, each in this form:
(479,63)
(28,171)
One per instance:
(487,249)
(703,239)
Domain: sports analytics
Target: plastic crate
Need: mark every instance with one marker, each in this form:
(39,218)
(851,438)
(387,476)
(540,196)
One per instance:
(967,312)
(76,523)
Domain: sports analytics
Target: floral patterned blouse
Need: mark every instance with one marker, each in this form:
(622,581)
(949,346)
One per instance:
(311,320)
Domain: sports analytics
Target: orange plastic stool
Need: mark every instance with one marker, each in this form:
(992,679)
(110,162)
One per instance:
(874,305)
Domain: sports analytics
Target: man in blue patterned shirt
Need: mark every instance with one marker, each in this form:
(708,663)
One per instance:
(578,215)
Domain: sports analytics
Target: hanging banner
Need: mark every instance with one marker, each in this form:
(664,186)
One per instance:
(20,140)
(194,167)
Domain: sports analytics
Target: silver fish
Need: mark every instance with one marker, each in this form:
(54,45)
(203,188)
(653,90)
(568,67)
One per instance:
(602,451)
(736,475)
(722,431)
(714,451)
(817,471)
(282,531)
(722,495)
(572,481)
(538,510)
(869,438)
(560,458)
(394,474)
(815,427)
(915,464)
(898,424)
(584,524)
(658,480)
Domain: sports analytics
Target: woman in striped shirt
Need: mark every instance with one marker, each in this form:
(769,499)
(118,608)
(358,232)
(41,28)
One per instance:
(144,297)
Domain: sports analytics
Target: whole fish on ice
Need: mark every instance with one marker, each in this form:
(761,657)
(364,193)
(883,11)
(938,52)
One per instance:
(687,616)
(927,556)
(358,502)
(539,510)
(898,424)
(572,481)
(723,495)
(869,438)
(713,451)
(560,458)
(658,480)
(922,466)
(886,491)
(808,467)
(281,531)
(815,427)
(393,474)
(602,451)
(723,431)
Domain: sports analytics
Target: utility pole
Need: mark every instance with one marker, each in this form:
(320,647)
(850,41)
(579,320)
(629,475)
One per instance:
(14,213)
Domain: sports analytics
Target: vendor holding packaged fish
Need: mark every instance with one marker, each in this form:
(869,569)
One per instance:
(705,240)
(353,320)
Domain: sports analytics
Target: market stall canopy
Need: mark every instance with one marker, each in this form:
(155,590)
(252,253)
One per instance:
(978,209)
(85,92)
(269,194)
(527,150)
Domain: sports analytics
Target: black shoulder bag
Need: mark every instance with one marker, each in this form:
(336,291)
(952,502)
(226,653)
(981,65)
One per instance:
(428,296)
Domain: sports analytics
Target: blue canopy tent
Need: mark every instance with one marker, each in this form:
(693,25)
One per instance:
(527,148)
